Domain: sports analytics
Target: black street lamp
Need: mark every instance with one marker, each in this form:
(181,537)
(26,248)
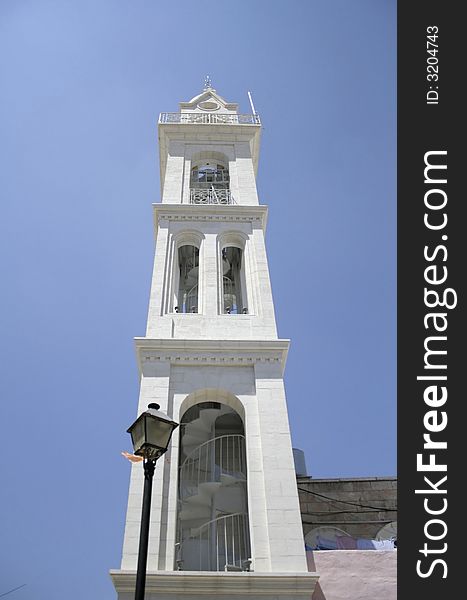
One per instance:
(150,435)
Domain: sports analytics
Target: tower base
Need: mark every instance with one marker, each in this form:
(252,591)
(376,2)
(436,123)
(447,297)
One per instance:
(197,585)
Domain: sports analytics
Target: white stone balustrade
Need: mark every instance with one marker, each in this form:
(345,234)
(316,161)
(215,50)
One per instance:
(209,118)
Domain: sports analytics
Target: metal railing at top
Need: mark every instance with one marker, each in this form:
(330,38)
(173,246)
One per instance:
(209,118)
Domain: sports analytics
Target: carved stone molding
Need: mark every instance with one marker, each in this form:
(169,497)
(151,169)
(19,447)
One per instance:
(211,352)
(245,219)
(210,213)
(167,584)
(208,359)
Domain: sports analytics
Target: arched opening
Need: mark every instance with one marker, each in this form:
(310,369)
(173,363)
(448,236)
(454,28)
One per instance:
(387,532)
(210,173)
(210,182)
(233,278)
(324,537)
(212,522)
(188,281)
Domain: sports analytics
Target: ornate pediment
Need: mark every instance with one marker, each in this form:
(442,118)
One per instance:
(208,101)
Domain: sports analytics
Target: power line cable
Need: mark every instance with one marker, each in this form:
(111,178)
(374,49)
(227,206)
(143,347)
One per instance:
(13,590)
(378,508)
(338,512)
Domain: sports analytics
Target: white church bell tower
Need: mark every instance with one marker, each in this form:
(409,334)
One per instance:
(225,517)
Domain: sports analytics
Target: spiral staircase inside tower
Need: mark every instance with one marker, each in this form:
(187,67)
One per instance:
(213,529)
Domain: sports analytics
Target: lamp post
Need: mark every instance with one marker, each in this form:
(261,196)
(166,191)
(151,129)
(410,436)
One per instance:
(150,435)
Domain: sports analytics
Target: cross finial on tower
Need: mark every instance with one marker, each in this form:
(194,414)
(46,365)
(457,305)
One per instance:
(207,83)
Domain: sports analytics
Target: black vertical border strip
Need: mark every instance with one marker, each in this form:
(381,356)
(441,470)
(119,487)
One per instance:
(423,128)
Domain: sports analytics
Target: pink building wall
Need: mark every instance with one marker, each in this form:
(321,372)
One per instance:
(354,574)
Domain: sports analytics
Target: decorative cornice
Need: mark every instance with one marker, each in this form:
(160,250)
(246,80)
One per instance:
(220,584)
(211,212)
(211,352)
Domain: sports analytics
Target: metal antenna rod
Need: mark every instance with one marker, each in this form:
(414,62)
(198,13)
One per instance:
(251,103)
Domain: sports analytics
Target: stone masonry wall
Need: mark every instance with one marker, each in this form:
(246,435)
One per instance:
(357,521)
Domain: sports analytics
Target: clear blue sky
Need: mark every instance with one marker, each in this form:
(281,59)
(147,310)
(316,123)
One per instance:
(82,83)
